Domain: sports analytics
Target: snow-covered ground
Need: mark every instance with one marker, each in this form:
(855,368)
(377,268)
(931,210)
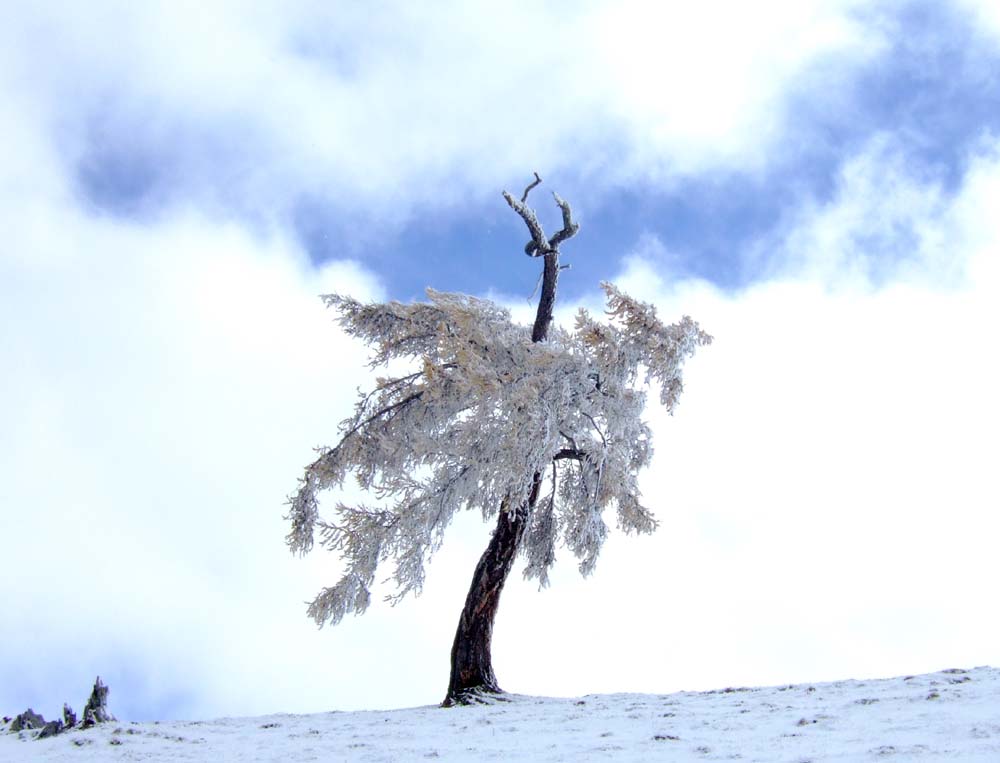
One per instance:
(952,715)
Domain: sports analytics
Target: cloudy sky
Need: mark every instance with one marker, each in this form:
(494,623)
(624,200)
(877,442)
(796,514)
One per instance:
(817,182)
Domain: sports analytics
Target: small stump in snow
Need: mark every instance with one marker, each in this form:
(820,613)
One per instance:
(29,719)
(50,729)
(96,710)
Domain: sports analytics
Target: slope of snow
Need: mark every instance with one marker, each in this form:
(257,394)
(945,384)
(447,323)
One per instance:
(951,715)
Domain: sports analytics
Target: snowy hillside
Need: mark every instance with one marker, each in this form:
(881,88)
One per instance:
(951,715)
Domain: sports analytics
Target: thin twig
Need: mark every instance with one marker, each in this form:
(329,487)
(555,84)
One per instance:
(527,190)
(596,427)
(535,290)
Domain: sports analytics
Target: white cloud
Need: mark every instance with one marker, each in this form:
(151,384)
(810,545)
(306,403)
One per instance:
(706,83)
(887,222)
(161,390)
(418,105)
(986,15)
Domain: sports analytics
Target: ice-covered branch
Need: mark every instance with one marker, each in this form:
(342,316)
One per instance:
(539,244)
(483,404)
(569,228)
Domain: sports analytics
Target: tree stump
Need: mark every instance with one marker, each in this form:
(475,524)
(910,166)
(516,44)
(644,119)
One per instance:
(50,729)
(29,719)
(96,709)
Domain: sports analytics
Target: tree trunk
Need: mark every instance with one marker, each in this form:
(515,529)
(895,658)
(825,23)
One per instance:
(471,657)
(547,300)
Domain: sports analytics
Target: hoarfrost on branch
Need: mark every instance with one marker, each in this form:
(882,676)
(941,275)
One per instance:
(482,407)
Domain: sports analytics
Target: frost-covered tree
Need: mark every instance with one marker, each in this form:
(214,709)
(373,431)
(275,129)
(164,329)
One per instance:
(539,427)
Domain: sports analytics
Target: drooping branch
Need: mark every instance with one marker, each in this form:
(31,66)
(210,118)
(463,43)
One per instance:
(389,409)
(326,470)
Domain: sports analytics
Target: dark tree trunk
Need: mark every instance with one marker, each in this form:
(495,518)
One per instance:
(547,301)
(471,656)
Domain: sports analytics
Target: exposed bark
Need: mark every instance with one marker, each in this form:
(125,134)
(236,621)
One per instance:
(547,300)
(471,656)
(472,673)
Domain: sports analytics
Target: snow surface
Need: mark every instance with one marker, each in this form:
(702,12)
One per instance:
(950,715)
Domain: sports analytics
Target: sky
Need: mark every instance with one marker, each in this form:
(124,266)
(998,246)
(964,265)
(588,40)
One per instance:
(816,182)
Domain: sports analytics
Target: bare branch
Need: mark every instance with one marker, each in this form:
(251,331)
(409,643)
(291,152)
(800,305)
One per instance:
(538,245)
(569,228)
(527,190)
(597,428)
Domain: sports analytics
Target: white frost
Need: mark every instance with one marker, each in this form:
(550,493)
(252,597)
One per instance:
(481,410)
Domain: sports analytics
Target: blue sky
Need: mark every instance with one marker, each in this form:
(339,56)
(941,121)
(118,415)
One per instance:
(816,182)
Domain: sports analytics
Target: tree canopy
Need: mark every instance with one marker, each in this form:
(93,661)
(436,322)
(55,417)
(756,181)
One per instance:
(480,407)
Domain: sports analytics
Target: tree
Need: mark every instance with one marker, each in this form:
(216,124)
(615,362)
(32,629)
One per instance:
(539,428)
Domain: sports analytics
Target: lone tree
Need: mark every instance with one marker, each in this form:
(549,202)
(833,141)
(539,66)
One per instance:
(540,428)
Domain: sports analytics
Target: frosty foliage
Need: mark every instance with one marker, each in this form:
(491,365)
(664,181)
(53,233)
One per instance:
(483,410)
